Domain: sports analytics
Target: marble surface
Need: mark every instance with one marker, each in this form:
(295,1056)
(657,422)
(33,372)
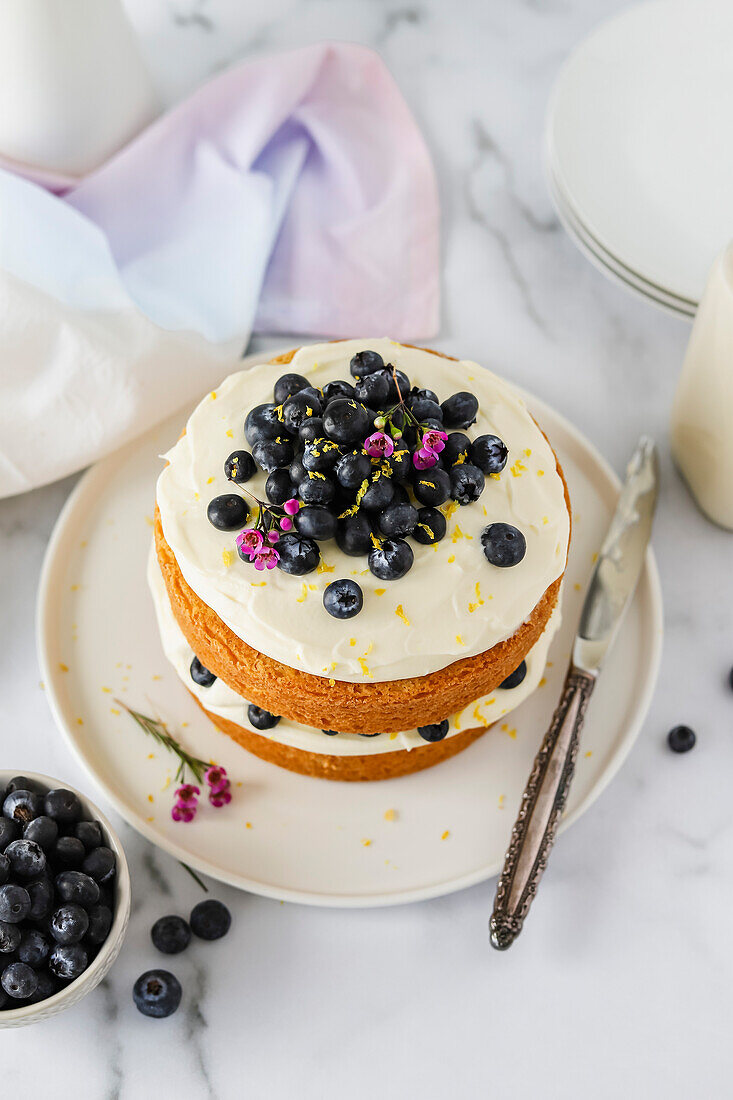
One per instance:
(621,984)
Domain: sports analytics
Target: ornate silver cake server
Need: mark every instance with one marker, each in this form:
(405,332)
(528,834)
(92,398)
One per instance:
(611,587)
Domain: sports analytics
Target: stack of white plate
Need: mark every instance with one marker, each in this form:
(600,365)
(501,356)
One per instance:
(639,147)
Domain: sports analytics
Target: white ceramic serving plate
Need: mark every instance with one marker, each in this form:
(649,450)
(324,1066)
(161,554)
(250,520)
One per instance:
(110,949)
(288,836)
(638,133)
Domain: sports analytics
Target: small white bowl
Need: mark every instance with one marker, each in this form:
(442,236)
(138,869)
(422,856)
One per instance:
(110,949)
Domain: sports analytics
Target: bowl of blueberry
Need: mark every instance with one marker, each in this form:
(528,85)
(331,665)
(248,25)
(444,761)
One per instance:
(64,897)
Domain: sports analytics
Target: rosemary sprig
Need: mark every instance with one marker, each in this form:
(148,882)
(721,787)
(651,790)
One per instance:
(159,732)
(194,876)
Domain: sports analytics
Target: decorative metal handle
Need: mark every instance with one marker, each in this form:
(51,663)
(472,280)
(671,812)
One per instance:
(542,804)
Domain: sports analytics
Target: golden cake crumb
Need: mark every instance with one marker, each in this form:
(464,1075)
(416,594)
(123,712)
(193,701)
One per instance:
(518,468)
(106,690)
(390,815)
(248,825)
(594,559)
(366,843)
(63,667)
(150,819)
(460,640)
(331,682)
(379,591)
(445,835)
(589,754)
(80,721)
(577,587)
(151,756)
(352,641)
(114,710)
(501,801)
(257,584)
(209,480)
(364,667)
(393,735)
(528,451)
(540,473)
(213,395)
(451,559)
(150,798)
(542,682)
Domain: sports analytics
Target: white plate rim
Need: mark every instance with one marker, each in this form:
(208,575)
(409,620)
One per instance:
(64,723)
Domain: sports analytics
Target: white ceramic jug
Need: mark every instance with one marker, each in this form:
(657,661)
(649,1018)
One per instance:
(702,414)
(73,85)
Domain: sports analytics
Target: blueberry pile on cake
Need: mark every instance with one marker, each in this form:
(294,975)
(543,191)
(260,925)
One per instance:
(358,554)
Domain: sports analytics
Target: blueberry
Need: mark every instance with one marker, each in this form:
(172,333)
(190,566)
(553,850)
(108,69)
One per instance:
(261,719)
(431,487)
(681,739)
(457,448)
(34,947)
(15,904)
(298,555)
(100,864)
(316,489)
(431,526)
(4,869)
(343,599)
(75,886)
(210,920)
(435,732)
(27,859)
(157,993)
(22,806)
(89,833)
(287,385)
(68,961)
(391,559)
(503,544)
(515,678)
(730,681)
(398,519)
(42,830)
(365,362)
(171,935)
(23,783)
(315,522)
(40,892)
(67,852)
(354,535)
(460,410)
(297,471)
(399,384)
(279,487)
(422,408)
(228,512)
(330,733)
(466,483)
(373,389)
(19,981)
(401,462)
(319,455)
(240,467)
(9,830)
(46,988)
(273,454)
(346,421)
(378,495)
(100,922)
(298,409)
(263,422)
(10,937)
(314,393)
(338,388)
(69,924)
(399,494)
(201,675)
(311,429)
(354,468)
(489,453)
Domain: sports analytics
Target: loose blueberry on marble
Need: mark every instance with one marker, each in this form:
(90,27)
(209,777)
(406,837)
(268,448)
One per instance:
(157,993)
(201,675)
(343,599)
(515,678)
(430,527)
(210,919)
(261,719)
(466,483)
(228,512)
(390,559)
(436,732)
(19,981)
(171,934)
(681,739)
(504,545)
(489,453)
(240,467)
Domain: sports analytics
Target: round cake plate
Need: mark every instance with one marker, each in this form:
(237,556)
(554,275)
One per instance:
(288,836)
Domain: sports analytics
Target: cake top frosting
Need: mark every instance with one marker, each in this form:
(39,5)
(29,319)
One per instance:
(453,602)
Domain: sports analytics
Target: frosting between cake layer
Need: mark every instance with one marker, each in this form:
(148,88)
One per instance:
(451,604)
(224,702)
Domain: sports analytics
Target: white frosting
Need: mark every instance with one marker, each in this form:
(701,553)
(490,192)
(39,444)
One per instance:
(451,604)
(224,702)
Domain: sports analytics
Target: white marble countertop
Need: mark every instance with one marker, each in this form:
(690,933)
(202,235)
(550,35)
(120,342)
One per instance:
(622,985)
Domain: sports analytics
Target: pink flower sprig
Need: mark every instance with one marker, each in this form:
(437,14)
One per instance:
(257,543)
(203,771)
(379,445)
(432,443)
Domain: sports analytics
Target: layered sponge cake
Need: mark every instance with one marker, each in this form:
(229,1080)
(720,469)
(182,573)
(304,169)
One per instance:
(358,554)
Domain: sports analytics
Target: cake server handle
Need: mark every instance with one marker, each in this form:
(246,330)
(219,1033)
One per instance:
(542,805)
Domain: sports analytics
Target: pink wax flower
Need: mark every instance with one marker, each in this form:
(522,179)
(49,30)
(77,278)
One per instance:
(434,440)
(379,445)
(220,798)
(424,458)
(286,523)
(266,558)
(188,794)
(290,507)
(180,812)
(273,536)
(216,777)
(249,542)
